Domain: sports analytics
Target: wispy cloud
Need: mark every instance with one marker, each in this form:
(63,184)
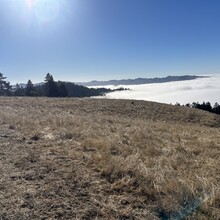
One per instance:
(199,90)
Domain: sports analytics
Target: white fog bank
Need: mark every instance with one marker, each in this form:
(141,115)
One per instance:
(198,90)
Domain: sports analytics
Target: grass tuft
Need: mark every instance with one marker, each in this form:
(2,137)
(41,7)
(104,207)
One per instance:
(107,159)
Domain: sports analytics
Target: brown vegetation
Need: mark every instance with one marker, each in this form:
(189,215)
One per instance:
(107,159)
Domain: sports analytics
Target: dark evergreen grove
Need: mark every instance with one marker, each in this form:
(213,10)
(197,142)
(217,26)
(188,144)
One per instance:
(49,88)
(206,106)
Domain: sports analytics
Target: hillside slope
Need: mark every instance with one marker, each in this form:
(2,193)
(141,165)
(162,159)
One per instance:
(107,159)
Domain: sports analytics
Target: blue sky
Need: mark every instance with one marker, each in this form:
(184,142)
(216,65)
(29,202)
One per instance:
(81,40)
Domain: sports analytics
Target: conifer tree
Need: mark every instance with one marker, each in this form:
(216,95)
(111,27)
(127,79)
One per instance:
(29,89)
(62,90)
(19,91)
(51,88)
(5,87)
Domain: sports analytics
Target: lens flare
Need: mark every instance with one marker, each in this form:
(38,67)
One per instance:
(30,3)
(44,10)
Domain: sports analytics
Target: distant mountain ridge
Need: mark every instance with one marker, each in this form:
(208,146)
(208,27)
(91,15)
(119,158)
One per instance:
(136,81)
(139,81)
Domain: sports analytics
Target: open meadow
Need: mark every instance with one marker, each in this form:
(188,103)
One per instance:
(107,159)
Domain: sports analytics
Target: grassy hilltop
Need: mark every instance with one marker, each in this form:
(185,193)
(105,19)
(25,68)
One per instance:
(107,159)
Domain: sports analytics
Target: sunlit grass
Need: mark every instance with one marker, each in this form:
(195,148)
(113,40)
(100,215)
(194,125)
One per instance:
(107,159)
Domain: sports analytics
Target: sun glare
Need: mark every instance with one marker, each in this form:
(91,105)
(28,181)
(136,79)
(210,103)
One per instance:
(30,3)
(44,10)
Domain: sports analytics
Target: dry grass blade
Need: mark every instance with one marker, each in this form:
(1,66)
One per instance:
(107,159)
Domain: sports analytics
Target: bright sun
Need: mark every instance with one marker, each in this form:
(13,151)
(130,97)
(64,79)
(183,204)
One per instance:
(44,10)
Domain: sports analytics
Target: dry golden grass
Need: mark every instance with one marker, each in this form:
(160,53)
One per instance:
(107,159)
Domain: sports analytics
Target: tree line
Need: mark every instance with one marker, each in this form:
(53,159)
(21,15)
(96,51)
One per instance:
(206,106)
(50,88)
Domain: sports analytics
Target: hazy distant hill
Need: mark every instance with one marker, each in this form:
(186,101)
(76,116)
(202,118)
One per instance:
(136,81)
(139,81)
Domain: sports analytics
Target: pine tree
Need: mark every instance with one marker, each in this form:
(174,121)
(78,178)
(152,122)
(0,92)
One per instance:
(62,90)
(29,89)
(51,88)
(216,108)
(19,91)
(5,88)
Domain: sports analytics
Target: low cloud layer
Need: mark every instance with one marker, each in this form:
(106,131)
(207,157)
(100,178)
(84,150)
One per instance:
(199,90)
